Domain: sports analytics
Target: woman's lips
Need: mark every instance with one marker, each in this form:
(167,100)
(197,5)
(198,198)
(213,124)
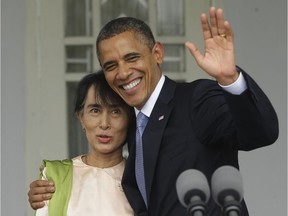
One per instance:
(104,138)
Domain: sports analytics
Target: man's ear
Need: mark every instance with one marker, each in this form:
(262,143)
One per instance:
(158,51)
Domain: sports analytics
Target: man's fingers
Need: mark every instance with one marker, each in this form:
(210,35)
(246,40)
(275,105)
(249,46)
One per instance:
(229,31)
(213,21)
(37,205)
(37,201)
(39,197)
(205,27)
(220,22)
(194,51)
(41,191)
(41,187)
(41,183)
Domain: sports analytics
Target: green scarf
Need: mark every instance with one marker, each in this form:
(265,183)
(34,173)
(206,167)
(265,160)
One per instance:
(61,173)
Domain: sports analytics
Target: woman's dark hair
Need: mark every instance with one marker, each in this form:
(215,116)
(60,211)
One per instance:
(103,92)
(126,24)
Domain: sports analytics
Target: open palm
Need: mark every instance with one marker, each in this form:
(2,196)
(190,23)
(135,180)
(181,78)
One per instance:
(218,60)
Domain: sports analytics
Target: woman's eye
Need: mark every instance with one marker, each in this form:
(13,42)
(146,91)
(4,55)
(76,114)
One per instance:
(94,110)
(116,111)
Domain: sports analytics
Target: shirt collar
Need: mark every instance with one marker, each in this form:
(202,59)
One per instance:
(149,105)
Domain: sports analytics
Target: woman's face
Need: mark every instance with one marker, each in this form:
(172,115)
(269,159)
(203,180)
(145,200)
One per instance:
(105,125)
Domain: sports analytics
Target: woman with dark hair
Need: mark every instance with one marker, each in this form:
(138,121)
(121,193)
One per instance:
(91,184)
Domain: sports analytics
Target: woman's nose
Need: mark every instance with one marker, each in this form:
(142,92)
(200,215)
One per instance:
(104,124)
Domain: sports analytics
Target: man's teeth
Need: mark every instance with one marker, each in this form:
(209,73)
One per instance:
(132,84)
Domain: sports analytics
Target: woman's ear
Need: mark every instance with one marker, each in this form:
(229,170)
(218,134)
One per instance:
(80,116)
(158,51)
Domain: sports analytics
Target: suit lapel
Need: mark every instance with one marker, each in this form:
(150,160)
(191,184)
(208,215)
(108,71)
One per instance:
(154,130)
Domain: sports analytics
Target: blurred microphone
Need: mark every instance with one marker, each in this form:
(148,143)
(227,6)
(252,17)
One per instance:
(227,190)
(193,192)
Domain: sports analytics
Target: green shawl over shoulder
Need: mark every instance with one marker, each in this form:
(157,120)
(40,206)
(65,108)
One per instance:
(61,173)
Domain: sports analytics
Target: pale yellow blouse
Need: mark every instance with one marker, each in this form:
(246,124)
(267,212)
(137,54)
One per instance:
(95,191)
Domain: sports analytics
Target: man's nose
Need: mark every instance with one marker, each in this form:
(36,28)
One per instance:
(124,71)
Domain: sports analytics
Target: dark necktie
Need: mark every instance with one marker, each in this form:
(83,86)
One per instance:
(139,162)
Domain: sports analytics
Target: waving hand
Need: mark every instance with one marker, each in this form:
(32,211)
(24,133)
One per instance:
(218,60)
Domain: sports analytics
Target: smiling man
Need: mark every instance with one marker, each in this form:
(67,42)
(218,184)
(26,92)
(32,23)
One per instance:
(203,124)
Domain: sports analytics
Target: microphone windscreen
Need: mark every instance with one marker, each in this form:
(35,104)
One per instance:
(192,182)
(226,180)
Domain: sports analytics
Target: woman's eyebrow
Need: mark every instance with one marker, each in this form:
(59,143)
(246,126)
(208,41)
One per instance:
(93,105)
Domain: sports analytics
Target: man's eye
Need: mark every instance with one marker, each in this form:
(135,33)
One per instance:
(132,58)
(110,67)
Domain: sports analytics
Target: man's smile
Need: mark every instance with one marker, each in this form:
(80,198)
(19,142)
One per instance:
(132,84)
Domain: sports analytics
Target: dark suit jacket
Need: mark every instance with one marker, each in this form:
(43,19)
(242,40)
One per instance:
(196,126)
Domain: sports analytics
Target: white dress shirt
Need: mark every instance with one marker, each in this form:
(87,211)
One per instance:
(235,88)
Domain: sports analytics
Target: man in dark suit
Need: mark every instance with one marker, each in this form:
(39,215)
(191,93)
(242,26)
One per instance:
(199,125)
(196,125)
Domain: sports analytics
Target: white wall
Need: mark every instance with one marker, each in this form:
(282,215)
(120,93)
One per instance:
(260,28)
(13,188)
(261,42)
